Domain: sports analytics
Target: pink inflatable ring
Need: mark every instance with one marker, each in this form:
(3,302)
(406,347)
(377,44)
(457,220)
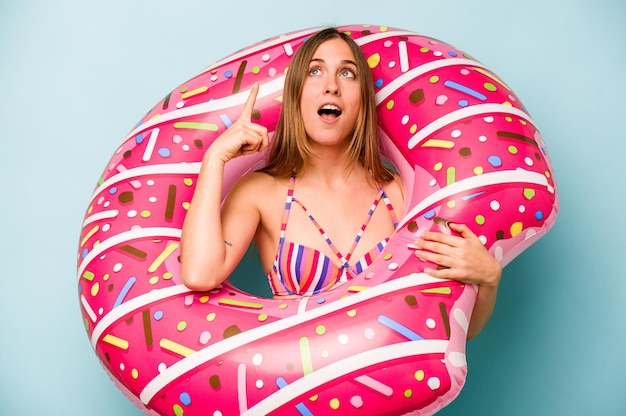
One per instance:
(391,341)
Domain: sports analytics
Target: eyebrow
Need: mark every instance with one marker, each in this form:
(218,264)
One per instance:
(343,61)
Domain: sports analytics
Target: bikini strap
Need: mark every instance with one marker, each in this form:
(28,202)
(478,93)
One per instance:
(288,202)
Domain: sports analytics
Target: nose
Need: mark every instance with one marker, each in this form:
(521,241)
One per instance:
(332,87)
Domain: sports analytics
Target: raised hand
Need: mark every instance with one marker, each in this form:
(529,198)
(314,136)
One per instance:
(243,137)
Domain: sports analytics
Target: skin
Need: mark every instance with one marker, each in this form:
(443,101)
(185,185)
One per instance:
(209,257)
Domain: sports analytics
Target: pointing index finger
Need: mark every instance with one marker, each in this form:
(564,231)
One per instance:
(246,113)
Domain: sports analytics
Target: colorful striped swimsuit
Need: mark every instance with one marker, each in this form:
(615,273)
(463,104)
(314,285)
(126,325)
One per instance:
(302,270)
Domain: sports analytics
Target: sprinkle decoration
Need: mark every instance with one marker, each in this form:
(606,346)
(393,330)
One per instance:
(392,340)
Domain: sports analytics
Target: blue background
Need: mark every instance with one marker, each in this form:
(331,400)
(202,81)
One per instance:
(75,76)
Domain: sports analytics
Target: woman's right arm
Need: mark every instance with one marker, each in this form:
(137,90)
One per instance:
(213,242)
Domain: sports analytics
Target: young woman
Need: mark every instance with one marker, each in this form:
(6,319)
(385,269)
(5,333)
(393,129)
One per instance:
(324,182)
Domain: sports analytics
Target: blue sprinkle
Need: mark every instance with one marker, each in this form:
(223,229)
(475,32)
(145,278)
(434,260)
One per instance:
(304,411)
(463,103)
(164,152)
(452,53)
(113,190)
(472,196)
(185,398)
(84,253)
(281,382)
(430,214)
(228,74)
(399,328)
(158,315)
(139,138)
(321,300)
(127,286)
(495,161)
(464,89)
(227,122)
(539,215)
(379,83)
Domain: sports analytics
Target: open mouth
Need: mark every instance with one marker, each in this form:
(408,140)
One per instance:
(329,110)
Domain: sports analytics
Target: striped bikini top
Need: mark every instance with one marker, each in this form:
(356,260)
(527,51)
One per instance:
(302,270)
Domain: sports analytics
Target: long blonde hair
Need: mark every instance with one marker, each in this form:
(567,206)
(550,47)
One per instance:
(291,150)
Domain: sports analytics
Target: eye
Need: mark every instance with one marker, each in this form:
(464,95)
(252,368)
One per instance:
(347,73)
(315,70)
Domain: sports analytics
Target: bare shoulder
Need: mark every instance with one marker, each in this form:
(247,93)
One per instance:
(256,187)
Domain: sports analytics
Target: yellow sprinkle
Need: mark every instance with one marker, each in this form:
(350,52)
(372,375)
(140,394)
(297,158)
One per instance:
(186,205)
(197,91)
(516,228)
(373,60)
(445,144)
(161,257)
(438,166)
(351,313)
(134,373)
(231,302)
(354,289)
(478,170)
(204,299)
(419,375)
(211,317)
(305,356)
(334,403)
(95,289)
(282,306)
(154,280)
(115,341)
(155,116)
(413,129)
(175,347)
(89,235)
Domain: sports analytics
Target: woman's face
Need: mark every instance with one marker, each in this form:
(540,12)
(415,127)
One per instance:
(331,94)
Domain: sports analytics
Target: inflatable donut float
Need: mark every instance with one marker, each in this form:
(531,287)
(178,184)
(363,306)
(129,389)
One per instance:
(391,341)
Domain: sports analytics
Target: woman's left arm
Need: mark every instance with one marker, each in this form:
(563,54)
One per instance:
(464,258)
